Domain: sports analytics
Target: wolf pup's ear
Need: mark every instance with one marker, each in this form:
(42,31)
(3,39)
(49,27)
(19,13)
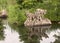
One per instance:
(45,11)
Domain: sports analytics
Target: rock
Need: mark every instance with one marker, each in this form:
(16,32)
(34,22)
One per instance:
(3,14)
(46,21)
(37,23)
(58,22)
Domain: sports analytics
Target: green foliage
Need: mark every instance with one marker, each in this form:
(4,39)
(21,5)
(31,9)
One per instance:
(1,31)
(16,15)
(16,9)
(27,3)
(52,7)
(53,12)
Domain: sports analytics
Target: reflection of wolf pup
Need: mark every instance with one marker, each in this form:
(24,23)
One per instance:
(39,32)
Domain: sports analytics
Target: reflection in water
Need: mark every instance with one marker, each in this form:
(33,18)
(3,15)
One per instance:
(1,31)
(40,34)
(37,34)
(57,38)
(10,35)
(53,31)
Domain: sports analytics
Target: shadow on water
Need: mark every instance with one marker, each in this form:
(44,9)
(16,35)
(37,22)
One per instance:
(36,34)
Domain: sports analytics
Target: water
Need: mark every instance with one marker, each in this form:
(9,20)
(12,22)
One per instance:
(37,34)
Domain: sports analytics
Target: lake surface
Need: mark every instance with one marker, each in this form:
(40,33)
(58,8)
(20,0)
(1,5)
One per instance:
(37,34)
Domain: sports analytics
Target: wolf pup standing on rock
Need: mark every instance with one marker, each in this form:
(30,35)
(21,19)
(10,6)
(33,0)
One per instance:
(37,18)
